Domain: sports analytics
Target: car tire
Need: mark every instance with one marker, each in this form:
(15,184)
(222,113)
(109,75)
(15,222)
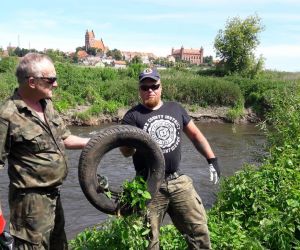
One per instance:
(104,141)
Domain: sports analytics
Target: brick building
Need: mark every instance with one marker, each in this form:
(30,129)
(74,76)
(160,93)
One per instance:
(194,56)
(91,42)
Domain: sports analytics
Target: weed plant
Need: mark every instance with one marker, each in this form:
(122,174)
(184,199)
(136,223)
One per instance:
(131,231)
(135,194)
(260,208)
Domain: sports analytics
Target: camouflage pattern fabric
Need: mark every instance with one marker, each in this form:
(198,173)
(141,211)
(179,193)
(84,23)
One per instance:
(37,219)
(36,161)
(35,151)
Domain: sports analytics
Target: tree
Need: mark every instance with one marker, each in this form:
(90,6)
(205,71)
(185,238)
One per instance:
(92,51)
(208,60)
(115,54)
(21,52)
(136,60)
(80,48)
(162,61)
(56,55)
(236,44)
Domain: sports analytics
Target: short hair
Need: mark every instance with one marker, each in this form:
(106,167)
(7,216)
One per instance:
(32,64)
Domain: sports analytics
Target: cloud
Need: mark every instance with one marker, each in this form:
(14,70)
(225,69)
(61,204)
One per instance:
(281,57)
(280,51)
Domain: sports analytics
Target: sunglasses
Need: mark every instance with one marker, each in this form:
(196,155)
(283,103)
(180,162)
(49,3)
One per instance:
(147,87)
(50,80)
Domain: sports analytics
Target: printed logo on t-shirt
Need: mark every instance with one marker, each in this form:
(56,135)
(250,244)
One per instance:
(164,129)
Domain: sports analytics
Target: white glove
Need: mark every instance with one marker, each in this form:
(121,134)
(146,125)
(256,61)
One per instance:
(214,170)
(213,175)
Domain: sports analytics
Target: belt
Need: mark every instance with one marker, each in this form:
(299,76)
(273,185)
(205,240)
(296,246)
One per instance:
(172,176)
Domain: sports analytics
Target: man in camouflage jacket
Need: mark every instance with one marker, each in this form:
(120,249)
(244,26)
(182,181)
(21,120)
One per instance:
(33,139)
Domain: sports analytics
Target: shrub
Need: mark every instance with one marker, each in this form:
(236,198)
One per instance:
(262,205)
(8,64)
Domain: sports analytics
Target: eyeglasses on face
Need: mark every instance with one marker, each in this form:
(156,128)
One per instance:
(147,87)
(50,80)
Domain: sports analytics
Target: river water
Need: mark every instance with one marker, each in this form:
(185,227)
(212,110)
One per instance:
(234,145)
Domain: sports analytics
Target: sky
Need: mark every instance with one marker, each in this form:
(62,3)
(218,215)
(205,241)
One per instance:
(154,26)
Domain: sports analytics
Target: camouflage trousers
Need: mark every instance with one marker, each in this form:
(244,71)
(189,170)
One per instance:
(180,200)
(37,219)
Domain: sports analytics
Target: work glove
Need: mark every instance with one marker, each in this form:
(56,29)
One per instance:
(6,241)
(214,170)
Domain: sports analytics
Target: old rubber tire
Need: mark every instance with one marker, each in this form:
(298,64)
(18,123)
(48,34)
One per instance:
(106,140)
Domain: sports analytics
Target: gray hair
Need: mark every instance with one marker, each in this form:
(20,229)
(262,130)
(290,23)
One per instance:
(32,64)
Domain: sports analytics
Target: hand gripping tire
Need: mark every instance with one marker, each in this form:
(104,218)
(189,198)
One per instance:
(106,140)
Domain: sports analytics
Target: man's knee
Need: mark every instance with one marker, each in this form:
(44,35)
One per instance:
(198,238)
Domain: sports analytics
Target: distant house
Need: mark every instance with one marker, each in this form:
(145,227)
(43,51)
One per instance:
(194,56)
(128,56)
(171,59)
(119,64)
(107,60)
(81,54)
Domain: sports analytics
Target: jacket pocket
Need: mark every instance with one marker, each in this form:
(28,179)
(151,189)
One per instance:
(35,139)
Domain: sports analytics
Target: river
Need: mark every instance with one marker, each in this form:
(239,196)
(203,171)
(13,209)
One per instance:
(234,144)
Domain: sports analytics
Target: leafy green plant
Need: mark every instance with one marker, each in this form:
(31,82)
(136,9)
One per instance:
(129,232)
(261,205)
(236,112)
(116,233)
(170,238)
(135,194)
(8,64)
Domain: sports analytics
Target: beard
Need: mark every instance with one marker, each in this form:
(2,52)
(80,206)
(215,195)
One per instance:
(151,102)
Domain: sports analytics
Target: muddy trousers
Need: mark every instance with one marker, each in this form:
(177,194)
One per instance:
(180,200)
(37,219)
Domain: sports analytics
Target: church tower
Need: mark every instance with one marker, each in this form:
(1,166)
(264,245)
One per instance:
(89,39)
(91,42)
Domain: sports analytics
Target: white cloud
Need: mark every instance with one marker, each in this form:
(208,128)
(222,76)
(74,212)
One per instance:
(284,57)
(280,51)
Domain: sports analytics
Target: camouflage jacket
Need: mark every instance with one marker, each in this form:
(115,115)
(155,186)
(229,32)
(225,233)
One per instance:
(34,149)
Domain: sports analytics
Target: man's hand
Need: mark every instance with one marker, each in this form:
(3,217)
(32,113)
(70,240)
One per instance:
(6,241)
(214,170)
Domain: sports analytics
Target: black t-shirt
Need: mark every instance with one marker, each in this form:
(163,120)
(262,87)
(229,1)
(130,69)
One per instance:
(165,127)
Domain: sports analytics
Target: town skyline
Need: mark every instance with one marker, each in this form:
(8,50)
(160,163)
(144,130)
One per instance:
(154,26)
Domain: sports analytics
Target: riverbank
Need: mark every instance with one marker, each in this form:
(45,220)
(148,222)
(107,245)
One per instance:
(199,114)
